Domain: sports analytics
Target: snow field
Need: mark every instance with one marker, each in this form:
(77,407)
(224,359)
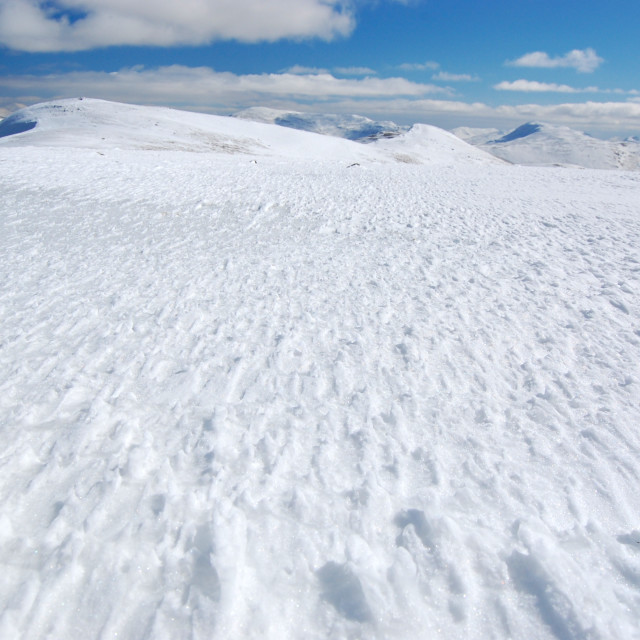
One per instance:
(305,400)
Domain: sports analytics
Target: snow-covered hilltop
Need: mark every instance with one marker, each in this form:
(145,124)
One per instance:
(77,121)
(539,144)
(424,144)
(98,124)
(261,383)
(529,144)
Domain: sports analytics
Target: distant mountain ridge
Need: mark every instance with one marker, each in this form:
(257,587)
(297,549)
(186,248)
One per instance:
(532,143)
(521,132)
(102,125)
(351,127)
(536,143)
(131,126)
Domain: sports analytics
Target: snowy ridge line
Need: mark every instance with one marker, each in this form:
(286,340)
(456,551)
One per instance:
(547,145)
(352,127)
(73,122)
(288,400)
(98,124)
(529,144)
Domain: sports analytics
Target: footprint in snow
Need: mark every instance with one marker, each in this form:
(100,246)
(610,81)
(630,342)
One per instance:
(343,590)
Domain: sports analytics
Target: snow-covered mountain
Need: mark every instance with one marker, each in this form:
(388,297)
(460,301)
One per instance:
(99,124)
(352,127)
(529,144)
(543,144)
(424,144)
(261,383)
(477,135)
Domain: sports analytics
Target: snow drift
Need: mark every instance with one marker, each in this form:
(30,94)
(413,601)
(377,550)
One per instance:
(256,395)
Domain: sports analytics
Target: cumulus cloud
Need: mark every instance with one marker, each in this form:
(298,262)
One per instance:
(454,77)
(76,25)
(533,86)
(582,60)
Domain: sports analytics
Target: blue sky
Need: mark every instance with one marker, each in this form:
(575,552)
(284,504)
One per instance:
(450,63)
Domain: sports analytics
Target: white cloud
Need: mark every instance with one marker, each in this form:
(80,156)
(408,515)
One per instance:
(205,87)
(202,89)
(538,87)
(355,71)
(454,77)
(532,86)
(583,60)
(419,66)
(342,71)
(599,118)
(301,70)
(38,26)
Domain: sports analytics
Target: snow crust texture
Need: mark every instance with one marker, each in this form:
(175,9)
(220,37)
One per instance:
(246,396)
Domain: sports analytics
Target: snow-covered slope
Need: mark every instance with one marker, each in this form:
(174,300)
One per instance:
(99,124)
(424,144)
(543,144)
(477,135)
(297,399)
(352,127)
(421,144)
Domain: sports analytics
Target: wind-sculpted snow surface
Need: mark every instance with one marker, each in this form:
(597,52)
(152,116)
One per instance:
(297,399)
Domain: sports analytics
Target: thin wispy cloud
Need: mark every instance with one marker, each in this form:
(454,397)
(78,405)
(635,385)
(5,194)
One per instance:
(46,26)
(355,71)
(419,66)
(582,60)
(204,87)
(454,77)
(531,86)
(603,117)
(341,71)
(298,69)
